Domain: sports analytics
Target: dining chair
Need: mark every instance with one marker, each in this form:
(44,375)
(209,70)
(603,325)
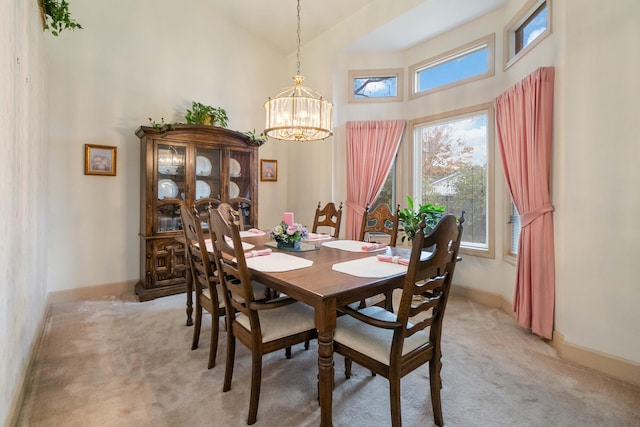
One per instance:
(328,216)
(234,214)
(262,326)
(380,220)
(394,345)
(208,291)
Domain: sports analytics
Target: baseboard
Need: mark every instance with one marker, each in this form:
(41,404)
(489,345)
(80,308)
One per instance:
(621,369)
(483,297)
(92,292)
(18,400)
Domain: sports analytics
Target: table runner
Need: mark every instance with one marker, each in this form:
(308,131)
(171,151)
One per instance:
(369,267)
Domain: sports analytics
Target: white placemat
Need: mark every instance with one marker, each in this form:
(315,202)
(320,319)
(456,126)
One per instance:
(277,262)
(317,236)
(245,246)
(369,267)
(350,245)
(251,233)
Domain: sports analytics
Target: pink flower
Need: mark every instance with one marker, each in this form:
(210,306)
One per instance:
(291,230)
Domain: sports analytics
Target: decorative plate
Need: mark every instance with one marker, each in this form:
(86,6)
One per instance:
(167,189)
(234,190)
(202,190)
(203,166)
(168,170)
(234,168)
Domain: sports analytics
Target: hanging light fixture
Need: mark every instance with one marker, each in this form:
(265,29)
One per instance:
(298,113)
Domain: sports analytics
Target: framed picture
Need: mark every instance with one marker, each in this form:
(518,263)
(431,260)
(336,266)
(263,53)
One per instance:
(268,170)
(99,160)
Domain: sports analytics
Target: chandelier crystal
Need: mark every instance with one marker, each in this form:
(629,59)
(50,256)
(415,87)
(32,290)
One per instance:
(298,113)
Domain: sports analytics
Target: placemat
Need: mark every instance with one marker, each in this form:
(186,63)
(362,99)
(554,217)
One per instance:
(369,267)
(350,245)
(278,262)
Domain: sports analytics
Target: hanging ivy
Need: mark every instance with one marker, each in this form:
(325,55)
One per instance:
(56,16)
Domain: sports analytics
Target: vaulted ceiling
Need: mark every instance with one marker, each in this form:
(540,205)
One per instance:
(275,20)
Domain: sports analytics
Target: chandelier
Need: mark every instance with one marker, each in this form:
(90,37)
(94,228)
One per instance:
(298,113)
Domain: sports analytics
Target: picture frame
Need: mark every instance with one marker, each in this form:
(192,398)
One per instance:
(268,170)
(100,160)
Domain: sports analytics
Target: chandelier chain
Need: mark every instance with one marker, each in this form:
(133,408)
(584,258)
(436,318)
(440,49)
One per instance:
(298,40)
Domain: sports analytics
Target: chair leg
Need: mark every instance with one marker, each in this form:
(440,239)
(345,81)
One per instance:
(256,378)
(197,325)
(435,386)
(347,367)
(306,345)
(287,352)
(231,356)
(213,348)
(394,397)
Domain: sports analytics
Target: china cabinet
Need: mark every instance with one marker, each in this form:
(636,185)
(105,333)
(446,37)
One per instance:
(195,165)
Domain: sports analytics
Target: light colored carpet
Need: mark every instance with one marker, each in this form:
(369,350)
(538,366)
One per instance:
(125,363)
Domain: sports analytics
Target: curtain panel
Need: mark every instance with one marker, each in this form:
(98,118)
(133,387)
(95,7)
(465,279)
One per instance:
(371,148)
(524,117)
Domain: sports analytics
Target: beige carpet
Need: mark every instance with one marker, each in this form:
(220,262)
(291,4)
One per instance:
(125,363)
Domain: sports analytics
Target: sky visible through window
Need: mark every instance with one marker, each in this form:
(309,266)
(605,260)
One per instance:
(536,27)
(375,87)
(453,70)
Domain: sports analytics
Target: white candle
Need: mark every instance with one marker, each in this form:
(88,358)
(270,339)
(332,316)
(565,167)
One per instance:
(288,218)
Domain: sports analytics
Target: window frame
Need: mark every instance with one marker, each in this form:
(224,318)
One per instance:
(524,15)
(398,73)
(489,251)
(414,69)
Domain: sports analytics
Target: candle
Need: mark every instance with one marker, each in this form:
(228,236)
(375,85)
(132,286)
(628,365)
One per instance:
(288,218)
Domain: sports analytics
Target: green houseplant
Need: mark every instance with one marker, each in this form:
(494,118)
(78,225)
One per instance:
(56,16)
(410,217)
(206,115)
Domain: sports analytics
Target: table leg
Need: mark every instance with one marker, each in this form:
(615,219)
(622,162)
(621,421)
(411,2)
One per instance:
(326,325)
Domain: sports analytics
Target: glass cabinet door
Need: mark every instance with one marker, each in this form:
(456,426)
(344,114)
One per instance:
(240,191)
(171,182)
(208,182)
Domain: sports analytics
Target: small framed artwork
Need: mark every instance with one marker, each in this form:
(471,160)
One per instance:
(99,160)
(268,170)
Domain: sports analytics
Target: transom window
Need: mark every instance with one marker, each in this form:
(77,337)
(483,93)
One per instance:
(452,167)
(375,85)
(470,62)
(529,27)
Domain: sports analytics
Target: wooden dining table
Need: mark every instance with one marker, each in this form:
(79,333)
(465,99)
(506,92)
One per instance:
(325,290)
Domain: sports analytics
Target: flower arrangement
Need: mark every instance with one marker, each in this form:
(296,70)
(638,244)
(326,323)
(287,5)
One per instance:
(288,233)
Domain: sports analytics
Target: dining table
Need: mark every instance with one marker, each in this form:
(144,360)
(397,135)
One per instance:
(325,288)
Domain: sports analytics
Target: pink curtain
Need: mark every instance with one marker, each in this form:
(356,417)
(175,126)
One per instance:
(371,148)
(524,116)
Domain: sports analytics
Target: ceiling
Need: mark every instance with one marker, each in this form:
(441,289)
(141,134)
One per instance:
(275,20)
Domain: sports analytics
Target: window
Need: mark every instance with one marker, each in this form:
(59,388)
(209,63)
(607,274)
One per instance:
(375,85)
(387,194)
(514,222)
(529,27)
(470,62)
(453,167)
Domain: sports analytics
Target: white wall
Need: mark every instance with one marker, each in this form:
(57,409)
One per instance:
(23,165)
(593,49)
(132,61)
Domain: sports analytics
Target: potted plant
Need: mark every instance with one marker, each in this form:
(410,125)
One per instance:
(206,115)
(410,218)
(256,139)
(56,16)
